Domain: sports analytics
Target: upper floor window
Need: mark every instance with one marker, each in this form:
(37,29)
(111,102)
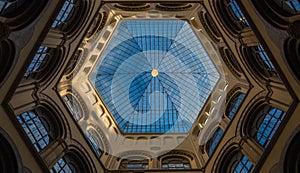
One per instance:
(73,106)
(92,139)
(65,15)
(39,61)
(290,6)
(236,14)
(214,141)
(236,162)
(37,129)
(260,61)
(175,162)
(266,123)
(9,6)
(65,164)
(72,62)
(134,164)
(234,104)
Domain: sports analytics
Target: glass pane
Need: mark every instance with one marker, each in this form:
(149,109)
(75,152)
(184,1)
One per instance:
(73,106)
(64,14)
(214,141)
(234,105)
(39,59)
(176,163)
(268,125)
(61,166)
(237,14)
(290,6)
(35,129)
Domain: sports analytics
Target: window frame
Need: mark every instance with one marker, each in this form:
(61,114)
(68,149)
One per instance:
(175,160)
(234,104)
(262,121)
(40,134)
(214,141)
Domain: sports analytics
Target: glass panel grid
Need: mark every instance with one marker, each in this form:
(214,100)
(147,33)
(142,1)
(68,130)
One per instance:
(141,102)
(176,163)
(94,144)
(291,6)
(243,165)
(61,166)
(214,141)
(236,14)
(134,164)
(73,106)
(38,61)
(35,129)
(64,14)
(264,61)
(234,105)
(267,124)
(6,4)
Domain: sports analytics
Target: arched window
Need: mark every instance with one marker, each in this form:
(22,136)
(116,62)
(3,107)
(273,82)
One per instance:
(91,135)
(236,162)
(210,26)
(97,25)
(9,156)
(37,128)
(292,156)
(63,19)
(260,61)
(175,162)
(73,62)
(133,6)
(134,164)
(231,61)
(265,124)
(173,6)
(39,61)
(233,13)
(213,141)
(234,104)
(73,106)
(289,6)
(66,164)
(10,6)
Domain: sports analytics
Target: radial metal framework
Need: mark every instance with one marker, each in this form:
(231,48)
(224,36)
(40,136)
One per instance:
(154,76)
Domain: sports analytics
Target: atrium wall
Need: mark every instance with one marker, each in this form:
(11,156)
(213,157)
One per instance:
(36,84)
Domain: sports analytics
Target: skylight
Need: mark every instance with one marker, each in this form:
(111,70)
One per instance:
(154,76)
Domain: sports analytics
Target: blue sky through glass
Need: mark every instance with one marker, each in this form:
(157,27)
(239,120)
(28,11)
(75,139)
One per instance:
(238,13)
(269,126)
(294,5)
(214,141)
(244,166)
(154,76)
(35,129)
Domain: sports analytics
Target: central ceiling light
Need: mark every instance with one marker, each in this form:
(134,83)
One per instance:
(154,72)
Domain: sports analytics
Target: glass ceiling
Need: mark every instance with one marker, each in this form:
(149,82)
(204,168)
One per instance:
(154,76)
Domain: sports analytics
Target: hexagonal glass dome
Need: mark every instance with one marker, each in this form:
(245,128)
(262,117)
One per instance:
(154,76)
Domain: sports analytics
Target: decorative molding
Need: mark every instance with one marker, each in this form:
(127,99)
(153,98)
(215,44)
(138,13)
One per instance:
(207,28)
(133,6)
(174,6)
